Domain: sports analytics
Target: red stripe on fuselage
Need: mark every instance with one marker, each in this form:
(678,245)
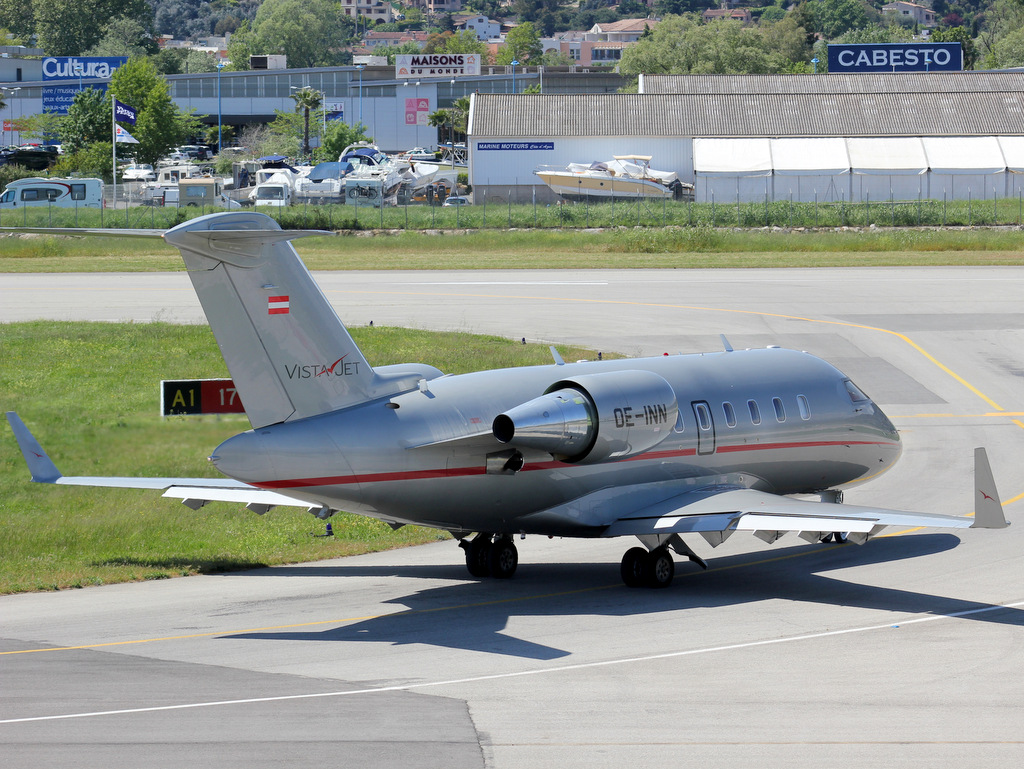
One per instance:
(416,475)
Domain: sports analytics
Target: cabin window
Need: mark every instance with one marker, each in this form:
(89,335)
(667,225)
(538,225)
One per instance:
(856,394)
(7,197)
(78,192)
(780,410)
(30,195)
(679,422)
(755,412)
(703,416)
(805,409)
(730,414)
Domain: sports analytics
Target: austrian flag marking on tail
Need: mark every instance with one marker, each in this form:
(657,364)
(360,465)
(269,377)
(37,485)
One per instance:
(277,305)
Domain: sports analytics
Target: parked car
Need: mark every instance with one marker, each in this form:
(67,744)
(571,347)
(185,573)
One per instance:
(456,200)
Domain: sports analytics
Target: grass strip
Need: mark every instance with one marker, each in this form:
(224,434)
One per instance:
(622,248)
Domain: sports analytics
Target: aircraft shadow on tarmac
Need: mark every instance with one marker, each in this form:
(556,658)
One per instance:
(473,615)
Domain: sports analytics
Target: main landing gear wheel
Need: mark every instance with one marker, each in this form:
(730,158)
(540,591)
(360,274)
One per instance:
(504,558)
(647,569)
(486,557)
(632,568)
(660,568)
(478,555)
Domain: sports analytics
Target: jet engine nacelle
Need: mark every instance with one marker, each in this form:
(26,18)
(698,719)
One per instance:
(593,418)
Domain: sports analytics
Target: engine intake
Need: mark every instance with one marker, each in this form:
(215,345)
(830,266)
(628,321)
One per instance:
(593,418)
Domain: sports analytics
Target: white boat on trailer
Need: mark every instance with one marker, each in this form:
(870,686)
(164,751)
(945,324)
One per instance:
(625,176)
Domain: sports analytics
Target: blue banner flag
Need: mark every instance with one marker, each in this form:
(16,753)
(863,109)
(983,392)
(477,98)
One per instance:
(123,113)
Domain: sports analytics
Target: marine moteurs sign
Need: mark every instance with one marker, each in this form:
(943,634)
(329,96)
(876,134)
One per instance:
(895,57)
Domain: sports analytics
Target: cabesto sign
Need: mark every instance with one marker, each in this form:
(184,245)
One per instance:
(896,57)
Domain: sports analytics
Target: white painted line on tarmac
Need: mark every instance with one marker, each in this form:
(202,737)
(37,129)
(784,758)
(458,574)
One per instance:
(523,673)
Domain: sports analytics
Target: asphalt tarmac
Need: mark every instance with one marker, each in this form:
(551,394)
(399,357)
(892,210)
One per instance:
(906,651)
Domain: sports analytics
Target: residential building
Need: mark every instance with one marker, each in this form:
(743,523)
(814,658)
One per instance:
(484,28)
(920,14)
(736,14)
(438,6)
(368,10)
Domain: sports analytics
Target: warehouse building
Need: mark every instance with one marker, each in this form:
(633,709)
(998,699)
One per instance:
(853,137)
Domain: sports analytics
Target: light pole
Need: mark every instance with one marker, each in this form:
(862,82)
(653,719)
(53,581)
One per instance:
(78,71)
(814,61)
(514,65)
(360,68)
(220,121)
(14,121)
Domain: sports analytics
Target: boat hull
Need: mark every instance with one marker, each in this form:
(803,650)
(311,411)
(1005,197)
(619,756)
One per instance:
(574,186)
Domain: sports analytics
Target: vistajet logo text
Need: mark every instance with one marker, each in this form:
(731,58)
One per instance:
(310,371)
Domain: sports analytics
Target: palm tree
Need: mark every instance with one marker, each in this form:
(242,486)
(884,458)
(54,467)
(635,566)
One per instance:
(307,99)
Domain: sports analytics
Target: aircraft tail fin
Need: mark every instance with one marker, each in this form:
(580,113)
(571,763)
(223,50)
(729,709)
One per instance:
(988,510)
(289,354)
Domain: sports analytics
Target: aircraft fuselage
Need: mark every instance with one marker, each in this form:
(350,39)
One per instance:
(771,419)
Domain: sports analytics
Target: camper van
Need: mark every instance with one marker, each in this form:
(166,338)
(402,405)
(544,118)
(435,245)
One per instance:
(203,192)
(61,193)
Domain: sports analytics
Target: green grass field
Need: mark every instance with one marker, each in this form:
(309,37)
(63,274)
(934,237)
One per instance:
(621,248)
(89,392)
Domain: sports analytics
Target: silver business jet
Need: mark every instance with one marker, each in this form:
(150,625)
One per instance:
(656,448)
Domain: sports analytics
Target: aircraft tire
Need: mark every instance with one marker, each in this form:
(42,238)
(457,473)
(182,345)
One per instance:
(633,567)
(478,556)
(659,568)
(504,558)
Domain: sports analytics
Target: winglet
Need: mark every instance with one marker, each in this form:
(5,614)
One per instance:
(39,464)
(988,510)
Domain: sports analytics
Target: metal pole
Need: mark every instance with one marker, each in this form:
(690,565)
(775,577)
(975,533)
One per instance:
(220,121)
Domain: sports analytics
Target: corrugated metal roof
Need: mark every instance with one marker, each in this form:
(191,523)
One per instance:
(525,116)
(903,82)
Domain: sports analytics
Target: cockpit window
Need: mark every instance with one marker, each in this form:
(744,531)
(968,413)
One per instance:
(856,394)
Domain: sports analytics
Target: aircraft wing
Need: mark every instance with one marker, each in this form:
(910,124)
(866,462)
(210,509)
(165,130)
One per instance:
(194,492)
(716,511)
(730,510)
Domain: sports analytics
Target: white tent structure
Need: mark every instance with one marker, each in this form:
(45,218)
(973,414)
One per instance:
(887,167)
(858,168)
(965,167)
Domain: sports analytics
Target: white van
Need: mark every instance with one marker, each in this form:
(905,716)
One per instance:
(276,191)
(61,193)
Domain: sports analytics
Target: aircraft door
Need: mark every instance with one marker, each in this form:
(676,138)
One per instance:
(705,427)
